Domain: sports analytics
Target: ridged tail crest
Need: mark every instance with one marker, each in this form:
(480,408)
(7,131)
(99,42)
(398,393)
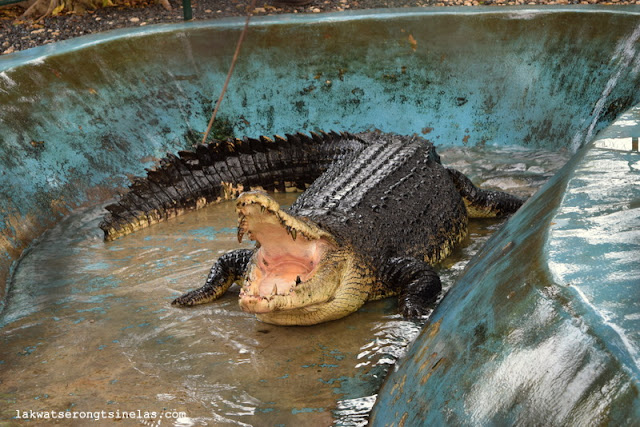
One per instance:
(221,170)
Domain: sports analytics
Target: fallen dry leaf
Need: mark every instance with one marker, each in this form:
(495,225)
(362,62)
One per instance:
(413,42)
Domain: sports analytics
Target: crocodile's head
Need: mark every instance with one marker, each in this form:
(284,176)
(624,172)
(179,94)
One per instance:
(297,269)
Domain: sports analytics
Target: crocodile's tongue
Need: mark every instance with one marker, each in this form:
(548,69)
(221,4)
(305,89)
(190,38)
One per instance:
(279,281)
(283,263)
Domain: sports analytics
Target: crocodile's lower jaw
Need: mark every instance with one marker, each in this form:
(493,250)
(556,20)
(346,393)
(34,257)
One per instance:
(299,317)
(338,287)
(308,295)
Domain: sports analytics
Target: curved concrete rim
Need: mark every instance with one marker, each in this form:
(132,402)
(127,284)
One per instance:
(523,12)
(560,271)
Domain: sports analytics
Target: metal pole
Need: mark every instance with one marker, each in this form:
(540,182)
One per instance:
(7,2)
(186,9)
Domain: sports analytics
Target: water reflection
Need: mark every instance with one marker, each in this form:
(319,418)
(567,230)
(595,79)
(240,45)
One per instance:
(88,325)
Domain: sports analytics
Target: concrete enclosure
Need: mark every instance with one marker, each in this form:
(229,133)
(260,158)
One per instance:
(80,117)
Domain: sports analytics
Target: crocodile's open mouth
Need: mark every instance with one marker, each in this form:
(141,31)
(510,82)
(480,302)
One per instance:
(291,252)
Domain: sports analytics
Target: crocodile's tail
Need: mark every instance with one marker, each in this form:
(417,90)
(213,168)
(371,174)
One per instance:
(221,170)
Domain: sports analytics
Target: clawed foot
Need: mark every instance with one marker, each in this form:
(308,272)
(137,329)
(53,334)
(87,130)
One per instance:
(410,310)
(414,312)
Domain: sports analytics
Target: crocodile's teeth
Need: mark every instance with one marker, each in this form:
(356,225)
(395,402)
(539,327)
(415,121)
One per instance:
(262,208)
(240,234)
(294,233)
(275,290)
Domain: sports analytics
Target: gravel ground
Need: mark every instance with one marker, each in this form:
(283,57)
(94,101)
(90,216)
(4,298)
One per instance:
(17,34)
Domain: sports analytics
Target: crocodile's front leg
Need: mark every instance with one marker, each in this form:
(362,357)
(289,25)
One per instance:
(226,270)
(417,283)
(484,203)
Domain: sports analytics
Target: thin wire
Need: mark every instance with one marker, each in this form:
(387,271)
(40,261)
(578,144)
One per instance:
(233,64)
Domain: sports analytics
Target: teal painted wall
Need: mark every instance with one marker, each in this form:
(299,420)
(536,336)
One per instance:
(78,118)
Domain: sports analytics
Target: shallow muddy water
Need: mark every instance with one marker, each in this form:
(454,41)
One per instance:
(87,328)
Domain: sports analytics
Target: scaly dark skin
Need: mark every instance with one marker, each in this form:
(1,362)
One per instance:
(379,211)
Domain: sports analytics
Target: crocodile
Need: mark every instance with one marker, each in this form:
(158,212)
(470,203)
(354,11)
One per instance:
(376,213)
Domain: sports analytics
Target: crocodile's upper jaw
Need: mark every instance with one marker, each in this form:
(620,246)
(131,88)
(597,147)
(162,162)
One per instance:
(297,267)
